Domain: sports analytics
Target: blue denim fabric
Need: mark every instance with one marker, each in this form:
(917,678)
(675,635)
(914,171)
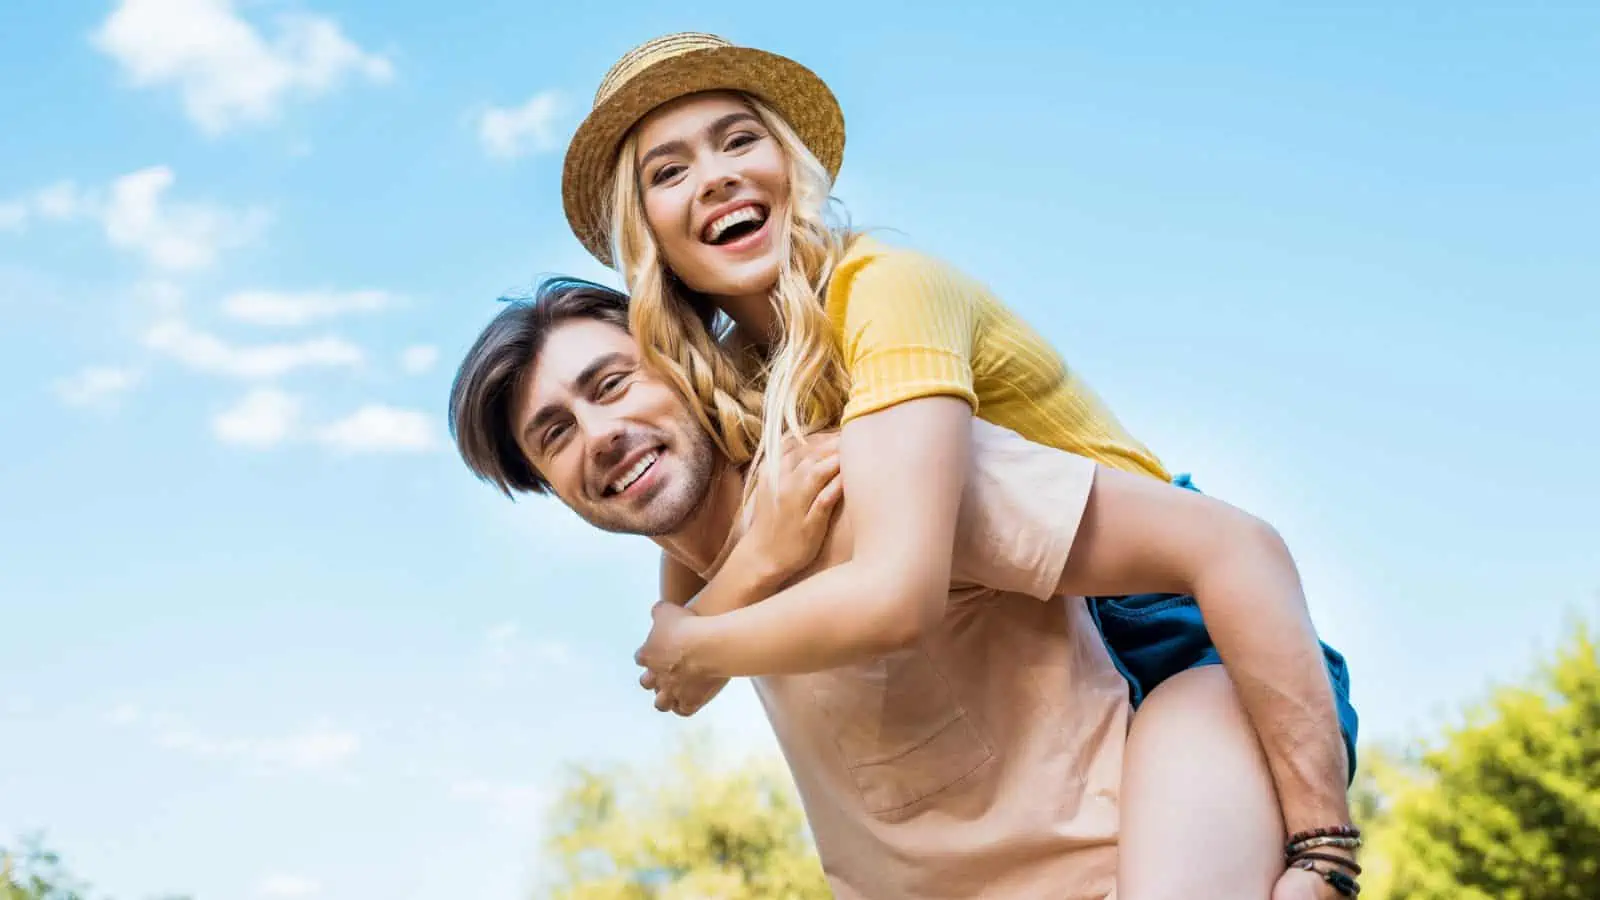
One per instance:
(1152,637)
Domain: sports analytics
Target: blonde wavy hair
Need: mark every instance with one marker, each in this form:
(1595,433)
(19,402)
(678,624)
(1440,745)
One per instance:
(749,405)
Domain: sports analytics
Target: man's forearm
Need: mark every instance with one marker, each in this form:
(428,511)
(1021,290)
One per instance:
(1271,652)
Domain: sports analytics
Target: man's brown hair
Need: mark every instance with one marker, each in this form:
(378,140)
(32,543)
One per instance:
(500,360)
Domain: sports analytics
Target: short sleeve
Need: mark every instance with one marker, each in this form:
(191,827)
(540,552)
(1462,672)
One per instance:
(907,330)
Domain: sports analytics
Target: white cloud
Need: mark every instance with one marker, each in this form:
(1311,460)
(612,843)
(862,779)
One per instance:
(499,651)
(164,298)
(512,804)
(315,749)
(291,308)
(228,72)
(419,358)
(376,428)
(507,133)
(206,352)
(264,418)
(288,886)
(175,237)
(551,652)
(61,201)
(137,216)
(56,202)
(97,385)
(125,714)
(568,538)
(13,216)
(505,653)
(17,705)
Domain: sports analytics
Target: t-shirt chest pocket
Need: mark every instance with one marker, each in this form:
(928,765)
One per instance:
(899,728)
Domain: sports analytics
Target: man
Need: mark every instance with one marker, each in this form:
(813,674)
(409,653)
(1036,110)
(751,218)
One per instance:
(981,760)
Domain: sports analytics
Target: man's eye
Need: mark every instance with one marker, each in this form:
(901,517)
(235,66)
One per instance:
(611,383)
(553,434)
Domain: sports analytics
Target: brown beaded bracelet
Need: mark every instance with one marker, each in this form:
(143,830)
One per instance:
(1346,831)
(1339,881)
(1352,865)
(1344,843)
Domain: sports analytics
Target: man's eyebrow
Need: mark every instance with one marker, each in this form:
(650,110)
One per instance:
(580,385)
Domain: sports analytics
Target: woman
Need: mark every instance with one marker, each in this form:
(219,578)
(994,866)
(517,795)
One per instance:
(703,173)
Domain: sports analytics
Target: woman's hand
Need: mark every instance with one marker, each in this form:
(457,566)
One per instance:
(791,522)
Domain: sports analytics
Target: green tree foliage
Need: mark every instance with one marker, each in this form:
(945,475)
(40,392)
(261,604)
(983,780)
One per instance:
(690,828)
(1506,806)
(29,871)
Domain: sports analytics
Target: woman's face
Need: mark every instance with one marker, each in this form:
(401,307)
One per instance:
(716,187)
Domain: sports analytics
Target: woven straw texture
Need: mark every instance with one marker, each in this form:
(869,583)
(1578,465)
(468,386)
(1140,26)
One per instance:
(663,70)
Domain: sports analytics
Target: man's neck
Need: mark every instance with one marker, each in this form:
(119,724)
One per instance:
(700,541)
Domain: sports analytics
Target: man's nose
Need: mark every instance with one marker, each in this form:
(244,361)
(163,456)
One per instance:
(605,433)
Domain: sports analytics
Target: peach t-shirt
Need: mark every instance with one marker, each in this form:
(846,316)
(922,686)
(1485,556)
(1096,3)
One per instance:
(984,761)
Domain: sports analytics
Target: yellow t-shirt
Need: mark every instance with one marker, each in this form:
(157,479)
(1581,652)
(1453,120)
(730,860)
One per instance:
(911,326)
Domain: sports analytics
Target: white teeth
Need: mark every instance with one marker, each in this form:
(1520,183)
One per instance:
(715,230)
(632,475)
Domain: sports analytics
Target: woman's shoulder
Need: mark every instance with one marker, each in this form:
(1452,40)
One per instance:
(874,263)
(866,250)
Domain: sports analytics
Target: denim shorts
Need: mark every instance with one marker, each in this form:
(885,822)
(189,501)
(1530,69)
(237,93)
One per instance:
(1152,637)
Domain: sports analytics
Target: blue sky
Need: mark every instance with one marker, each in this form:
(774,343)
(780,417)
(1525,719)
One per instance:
(265,637)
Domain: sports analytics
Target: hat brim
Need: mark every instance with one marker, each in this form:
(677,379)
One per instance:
(791,89)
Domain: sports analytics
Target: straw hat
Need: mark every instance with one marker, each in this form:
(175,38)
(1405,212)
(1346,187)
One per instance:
(673,66)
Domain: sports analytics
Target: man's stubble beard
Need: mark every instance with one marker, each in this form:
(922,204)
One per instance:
(702,474)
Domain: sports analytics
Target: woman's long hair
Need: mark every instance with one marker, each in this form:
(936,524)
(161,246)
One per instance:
(750,407)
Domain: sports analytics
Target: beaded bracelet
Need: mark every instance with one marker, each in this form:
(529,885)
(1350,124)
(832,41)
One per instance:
(1339,881)
(1344,843)
(1346,831)
(1352,865)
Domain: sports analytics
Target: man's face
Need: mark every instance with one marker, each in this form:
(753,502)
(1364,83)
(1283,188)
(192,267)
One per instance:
(616,444)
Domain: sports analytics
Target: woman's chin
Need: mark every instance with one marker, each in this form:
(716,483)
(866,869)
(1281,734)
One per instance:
(744,279)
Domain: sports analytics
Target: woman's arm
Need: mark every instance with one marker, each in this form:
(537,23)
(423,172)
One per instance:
(904,468)
(679,583)
(789,527)
(908,326)
(790,523)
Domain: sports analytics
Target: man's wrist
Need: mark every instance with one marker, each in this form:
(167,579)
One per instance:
(1312,785)
(1323,809)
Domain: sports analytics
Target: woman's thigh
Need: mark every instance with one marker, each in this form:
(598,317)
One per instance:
(1200,818)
